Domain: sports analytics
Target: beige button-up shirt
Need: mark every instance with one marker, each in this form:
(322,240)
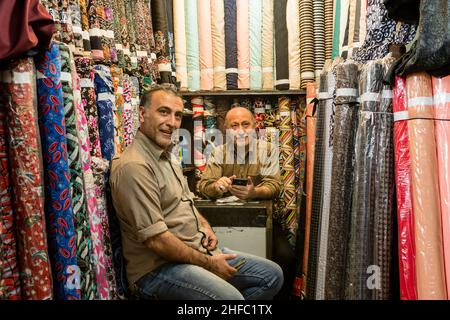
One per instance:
(150,195)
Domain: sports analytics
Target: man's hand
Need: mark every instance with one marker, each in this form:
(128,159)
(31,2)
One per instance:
(223,184)
(220,267)
(210,240)
(244,192)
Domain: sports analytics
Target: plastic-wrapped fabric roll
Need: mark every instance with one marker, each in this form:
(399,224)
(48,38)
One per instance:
(130,54)
(267,42)
(58,204)
(193,48)
(218,43)
(180,43)
(355,27)
(9,268)
(345,121)
(135,100)
(27,182)
(117,28)
(441,92)
(79,200)
(75,16)
(336,28)
(293,28)
(405,214)
(324,112)
(109,27)
(170,39)
(65,22)
(53,8)
(243,44)
(295,127)
(231,65)
(210,116)
(311,93)
(259,111)
(94,11)
(121,34)
(152,58)
(117,79)
(160,30)
(104,89)
(199,132)
(427,214)
(85,27)
(306,42)
(344,28)
(127,112)
(206,49)
(319,35)
(351,21)
(255,33)
(281,46)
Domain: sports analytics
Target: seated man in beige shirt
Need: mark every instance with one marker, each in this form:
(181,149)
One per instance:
(245,156)
(169,249)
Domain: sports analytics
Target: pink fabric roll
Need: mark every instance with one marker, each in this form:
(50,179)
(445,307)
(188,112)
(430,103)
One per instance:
(243,44)
(206,48)
(441,94)
(267,45)
(425,183)
(405,214)
(218,43)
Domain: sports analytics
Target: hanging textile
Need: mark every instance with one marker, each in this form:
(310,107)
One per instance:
(426,205)
(306,42)
(9,268)
(58,204)
(405,214)
(342,177)
(86,72)
(379,25)
(267,43)
(319,35)
(218,43)
(205,44)
(255,29)
(328,19)
(85,27)
(25,25)
(79,201)
(75,16)
(95,13)
(281,46)
(105,105)
(311,93)
(243,45)
(159,20)
(192,41)
(293,28)
(441,92)
(180,42)
(231,70)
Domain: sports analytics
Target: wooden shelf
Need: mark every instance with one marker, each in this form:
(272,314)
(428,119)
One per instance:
(244,93)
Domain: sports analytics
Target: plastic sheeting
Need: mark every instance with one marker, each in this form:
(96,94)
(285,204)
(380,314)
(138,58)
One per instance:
(426,205)
(405,214)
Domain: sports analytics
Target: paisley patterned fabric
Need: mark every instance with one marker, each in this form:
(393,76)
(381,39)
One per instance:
(58,204)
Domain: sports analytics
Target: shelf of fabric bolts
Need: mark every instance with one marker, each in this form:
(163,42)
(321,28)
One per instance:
(244,93)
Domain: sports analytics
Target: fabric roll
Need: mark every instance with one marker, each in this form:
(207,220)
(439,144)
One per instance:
(426,205)
(117,28)
(104,89)
(170,39)
(180,42)
(311,93)
(86,72)
(65,23)
(199,132)
(336,28)
(328,12)
(192,47)
(75,16)
(79,201)
(243,45)
(351,21)
(117,79)
(205,44)
(281,46)
(259,113)
(441,93)
(94,12)
(231,63)
(218,43)
(376,46)
(319,35)
(135,100)
(405,214)
(85,27)
(160,31)
(267,42)
(27,182)
(255,41)
(122,34)
(307,71)
(9,268)
(345,121)
(109,42)
(293,28)
(58,204)
(343,28)
(142,46)
(131,55)
(356,27)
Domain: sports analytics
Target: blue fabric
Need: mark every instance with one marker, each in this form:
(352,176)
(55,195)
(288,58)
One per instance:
(104,90)
(58,201)
(257,279)
(231,44)
(192,45)
(255,14)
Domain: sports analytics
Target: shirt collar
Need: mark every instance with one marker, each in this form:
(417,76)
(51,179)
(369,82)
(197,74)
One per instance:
(151,148)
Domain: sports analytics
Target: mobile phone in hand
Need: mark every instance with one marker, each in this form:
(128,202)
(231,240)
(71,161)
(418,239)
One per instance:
(240,263)
(239,182)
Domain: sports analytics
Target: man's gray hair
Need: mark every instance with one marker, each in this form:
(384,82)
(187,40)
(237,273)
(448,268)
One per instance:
(168,88)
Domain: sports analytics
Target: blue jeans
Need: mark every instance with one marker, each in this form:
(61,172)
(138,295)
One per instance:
(257,279)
